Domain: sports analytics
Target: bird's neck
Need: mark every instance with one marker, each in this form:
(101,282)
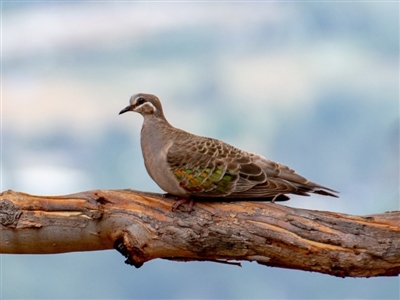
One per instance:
(155,130)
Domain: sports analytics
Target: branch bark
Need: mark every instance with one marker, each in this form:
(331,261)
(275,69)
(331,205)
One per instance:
(142,227)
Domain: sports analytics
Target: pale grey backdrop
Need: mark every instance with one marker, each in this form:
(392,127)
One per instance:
(312,85)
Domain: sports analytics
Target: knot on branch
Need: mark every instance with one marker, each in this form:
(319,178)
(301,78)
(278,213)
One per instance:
(9,214)
(125,245)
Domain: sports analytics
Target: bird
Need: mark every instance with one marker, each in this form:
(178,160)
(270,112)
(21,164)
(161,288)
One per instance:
(191,168)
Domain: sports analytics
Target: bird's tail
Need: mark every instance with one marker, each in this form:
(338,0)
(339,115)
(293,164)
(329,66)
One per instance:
(321,190)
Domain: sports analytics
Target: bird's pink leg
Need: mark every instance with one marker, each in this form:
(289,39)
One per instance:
(179,201)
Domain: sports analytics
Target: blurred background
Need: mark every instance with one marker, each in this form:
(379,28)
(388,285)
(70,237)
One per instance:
(312,85)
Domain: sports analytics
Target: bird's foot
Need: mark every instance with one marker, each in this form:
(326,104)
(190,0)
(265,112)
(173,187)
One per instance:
(181,201)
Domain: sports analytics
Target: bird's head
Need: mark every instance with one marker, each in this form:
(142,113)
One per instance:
(145,104)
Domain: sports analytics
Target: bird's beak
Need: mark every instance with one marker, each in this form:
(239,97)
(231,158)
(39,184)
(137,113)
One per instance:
(128,108)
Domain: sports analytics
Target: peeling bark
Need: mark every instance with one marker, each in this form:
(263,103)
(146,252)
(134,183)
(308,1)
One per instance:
(142,227)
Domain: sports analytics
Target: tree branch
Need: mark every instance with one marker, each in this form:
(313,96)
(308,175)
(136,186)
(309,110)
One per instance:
(142,227)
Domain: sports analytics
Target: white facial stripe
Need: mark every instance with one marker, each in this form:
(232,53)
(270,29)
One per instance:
(147,108)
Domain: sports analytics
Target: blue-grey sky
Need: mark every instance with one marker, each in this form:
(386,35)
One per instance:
(311,85)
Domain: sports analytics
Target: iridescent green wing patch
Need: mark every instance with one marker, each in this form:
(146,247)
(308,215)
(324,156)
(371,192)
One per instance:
(213,180)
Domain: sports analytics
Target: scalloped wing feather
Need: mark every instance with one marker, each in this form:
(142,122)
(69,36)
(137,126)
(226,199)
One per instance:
(210,168)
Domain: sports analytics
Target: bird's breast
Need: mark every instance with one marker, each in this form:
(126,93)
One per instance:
(154,151)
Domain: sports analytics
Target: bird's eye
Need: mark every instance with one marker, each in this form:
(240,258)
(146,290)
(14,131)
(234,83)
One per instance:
(140,101)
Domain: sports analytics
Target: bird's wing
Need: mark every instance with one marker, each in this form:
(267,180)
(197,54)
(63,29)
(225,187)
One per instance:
(210,168)
(282,180)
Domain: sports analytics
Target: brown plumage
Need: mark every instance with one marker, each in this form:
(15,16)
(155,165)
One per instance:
(192,166)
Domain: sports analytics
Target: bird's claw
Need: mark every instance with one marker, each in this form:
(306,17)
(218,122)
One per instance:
(181,201)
